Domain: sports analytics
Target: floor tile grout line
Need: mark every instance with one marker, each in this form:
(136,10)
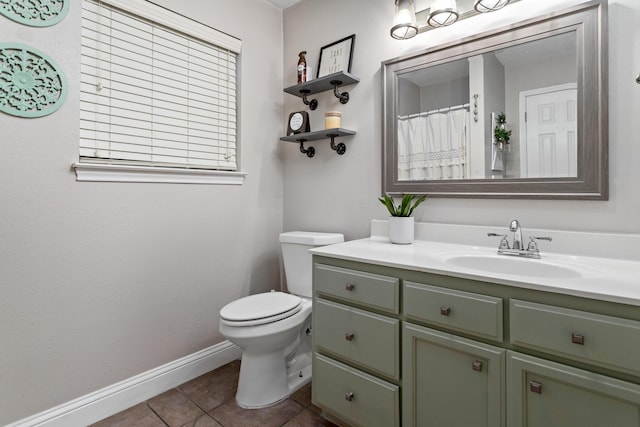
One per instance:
(206,412)
(156,414)
(215,418)
(194,402)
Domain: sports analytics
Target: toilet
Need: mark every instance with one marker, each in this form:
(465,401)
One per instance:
(273,329)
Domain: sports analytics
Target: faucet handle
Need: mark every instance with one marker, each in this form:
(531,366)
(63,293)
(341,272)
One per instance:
(532,240)
(533,246)
(504,243)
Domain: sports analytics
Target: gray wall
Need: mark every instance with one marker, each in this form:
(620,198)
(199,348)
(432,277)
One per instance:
(494,96)
(330,192)
(409,92)
(103,281)
(445,94)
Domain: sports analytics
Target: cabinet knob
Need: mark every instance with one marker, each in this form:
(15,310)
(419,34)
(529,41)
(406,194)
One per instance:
(445,311)
(349,396)
(349,336)
(535,387)
(577,339)
(477,366)
(349,286)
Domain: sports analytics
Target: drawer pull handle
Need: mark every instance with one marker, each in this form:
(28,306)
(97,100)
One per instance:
(577,339)
(349,286)
(349,336)
(535,387)
(477,366)
(445,311)
(349,396)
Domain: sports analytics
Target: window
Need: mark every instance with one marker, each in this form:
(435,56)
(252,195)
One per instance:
(158,95)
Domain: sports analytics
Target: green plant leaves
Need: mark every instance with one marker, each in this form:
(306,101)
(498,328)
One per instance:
(405,208)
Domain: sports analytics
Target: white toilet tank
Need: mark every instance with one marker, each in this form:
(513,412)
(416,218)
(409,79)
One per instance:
(297,259)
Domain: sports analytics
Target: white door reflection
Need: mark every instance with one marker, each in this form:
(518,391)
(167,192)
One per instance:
(548,132)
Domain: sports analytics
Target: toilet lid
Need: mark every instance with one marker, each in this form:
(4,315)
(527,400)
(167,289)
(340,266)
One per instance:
(261,308)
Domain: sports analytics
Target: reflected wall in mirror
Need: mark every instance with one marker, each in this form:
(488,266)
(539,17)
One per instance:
(517,112)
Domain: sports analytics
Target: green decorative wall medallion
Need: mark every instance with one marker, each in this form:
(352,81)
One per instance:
(35,13)
(31,84)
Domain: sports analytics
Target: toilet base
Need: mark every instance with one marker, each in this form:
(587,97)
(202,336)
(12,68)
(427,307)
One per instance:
(266,380)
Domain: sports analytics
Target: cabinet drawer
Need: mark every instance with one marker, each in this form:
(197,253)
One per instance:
(367,339)
(549,394)
(353,396)
(466,312)
(605,341)
(369,290)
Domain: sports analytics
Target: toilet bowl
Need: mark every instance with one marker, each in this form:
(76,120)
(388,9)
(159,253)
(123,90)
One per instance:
(273,329)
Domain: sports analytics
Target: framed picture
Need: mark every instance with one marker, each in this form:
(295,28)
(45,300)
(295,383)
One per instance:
(336,56)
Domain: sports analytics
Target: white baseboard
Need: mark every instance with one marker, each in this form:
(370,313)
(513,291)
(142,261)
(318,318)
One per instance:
(110,400)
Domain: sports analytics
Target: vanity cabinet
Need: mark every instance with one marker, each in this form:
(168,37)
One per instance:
(396,347)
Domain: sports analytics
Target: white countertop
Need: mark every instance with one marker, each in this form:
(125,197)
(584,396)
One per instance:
(608,279)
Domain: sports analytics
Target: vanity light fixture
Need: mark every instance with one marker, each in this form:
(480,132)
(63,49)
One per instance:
(484,6)
(443,13)
(404,22)
(417,16)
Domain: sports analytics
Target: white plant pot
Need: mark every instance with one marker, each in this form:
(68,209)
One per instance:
(401,229)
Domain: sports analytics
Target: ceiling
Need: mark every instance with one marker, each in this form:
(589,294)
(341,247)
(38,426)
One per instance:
(283,4)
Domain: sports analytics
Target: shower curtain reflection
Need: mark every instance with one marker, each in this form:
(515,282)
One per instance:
(433,145)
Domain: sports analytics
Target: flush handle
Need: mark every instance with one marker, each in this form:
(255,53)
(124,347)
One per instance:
(477,366)
(349,286)
(445,311)
(349,396)
(349,336)
(577,339)
(535,387)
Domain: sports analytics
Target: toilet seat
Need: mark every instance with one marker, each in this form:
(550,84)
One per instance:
(260,309)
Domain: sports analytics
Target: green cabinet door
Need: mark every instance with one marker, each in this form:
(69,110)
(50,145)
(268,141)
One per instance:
(549,394)
(450,381)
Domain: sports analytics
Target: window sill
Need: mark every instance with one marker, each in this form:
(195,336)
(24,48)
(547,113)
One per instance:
(96,172)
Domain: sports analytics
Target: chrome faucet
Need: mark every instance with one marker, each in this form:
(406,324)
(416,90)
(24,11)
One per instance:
(517,234)
(517,248)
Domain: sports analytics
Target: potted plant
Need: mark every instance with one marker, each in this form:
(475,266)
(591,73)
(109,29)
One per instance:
(401,223)
(501,135)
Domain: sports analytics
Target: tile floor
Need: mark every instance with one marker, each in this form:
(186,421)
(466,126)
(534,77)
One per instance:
(209,401)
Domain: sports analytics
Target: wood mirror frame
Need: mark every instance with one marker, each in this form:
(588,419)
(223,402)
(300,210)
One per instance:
(589,22)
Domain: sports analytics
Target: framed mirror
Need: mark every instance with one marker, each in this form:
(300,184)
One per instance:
(518,112)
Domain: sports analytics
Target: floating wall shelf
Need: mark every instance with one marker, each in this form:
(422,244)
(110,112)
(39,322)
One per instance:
(301,138)
(322,84)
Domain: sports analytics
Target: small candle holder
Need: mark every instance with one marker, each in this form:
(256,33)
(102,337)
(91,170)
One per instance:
(332,119)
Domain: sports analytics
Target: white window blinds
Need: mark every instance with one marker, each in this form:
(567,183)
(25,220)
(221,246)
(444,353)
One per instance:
(153,95)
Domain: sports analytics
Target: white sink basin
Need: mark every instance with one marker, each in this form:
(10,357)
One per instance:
(502,264)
